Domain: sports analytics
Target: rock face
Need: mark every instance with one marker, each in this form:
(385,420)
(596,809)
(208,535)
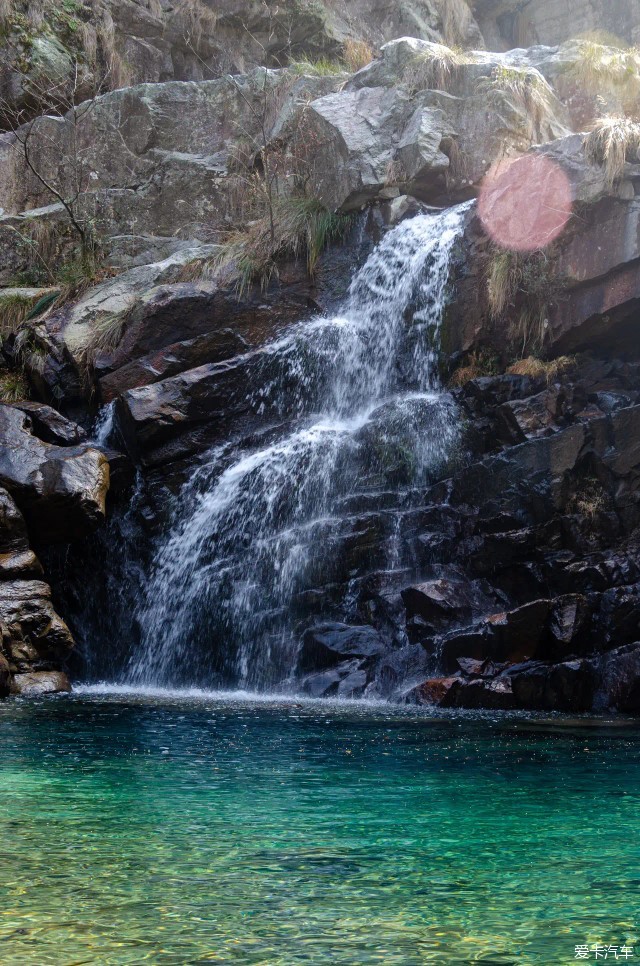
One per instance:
(515,582)
(51,492)
(509,23)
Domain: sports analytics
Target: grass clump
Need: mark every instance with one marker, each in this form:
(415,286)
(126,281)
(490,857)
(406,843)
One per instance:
(434,69)
(535,368)
(14,309)
(612,142)
(296,228)
(356,54)
(477,364)
(323,67)
(13,387)
(520,288)
(598,64)
(526,88)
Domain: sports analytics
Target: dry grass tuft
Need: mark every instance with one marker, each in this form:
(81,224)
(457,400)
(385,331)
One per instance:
(6,13)
(598,64)
(520,288)
(301,227)
(503,281)
(456,17)
(535,368)
(13,387)
(356,54)
(323,67)
(477,364)
(612,142)
(526,88)
(434,69)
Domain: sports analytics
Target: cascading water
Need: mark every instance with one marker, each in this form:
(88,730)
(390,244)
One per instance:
(254,530)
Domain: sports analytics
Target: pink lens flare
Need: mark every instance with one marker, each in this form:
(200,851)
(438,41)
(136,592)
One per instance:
(525,203)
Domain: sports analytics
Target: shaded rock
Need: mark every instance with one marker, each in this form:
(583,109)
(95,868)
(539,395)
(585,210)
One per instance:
(437,599)
(16,557)
(347,680)
(325,645)
(34,636)
(569,686)
(619,680)
(50,426)
(60,490)
(569,626)
(35,683)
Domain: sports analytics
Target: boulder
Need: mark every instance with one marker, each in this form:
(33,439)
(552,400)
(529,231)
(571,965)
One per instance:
(35,683)
(61,491)
(50,426)
(34,636)
(325,645)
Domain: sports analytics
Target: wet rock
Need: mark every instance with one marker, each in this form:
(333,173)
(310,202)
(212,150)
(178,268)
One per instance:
(5,677)
(50,426)
(431,691)
(569,686)
(16,557)
(36,683)
(569,626)
(434,600)
(34,636)
(618,674)
(61,491)
(619,615)
(347,680)
(325,645)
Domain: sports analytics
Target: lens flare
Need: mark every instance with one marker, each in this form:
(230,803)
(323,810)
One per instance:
(525,203)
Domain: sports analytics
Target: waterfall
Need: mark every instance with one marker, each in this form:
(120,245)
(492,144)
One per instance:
(255,529)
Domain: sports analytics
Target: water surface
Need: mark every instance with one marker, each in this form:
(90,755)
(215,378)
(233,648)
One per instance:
(176,829)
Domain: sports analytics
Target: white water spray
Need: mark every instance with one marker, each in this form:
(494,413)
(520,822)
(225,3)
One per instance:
(252,534)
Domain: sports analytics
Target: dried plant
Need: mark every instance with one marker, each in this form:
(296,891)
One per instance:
(612,142)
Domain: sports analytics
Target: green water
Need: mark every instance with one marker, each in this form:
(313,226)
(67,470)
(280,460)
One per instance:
(193,831)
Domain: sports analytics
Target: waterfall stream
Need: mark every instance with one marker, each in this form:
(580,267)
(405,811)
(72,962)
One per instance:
(255,529)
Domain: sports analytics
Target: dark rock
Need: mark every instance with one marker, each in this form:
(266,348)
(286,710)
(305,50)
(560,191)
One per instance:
(619,617)
(569,626)
(60,490)
(5,677)
(50,426)
(16,557)
(435,599)
(346,680)
(569,686)
(325,645)
(618,674)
